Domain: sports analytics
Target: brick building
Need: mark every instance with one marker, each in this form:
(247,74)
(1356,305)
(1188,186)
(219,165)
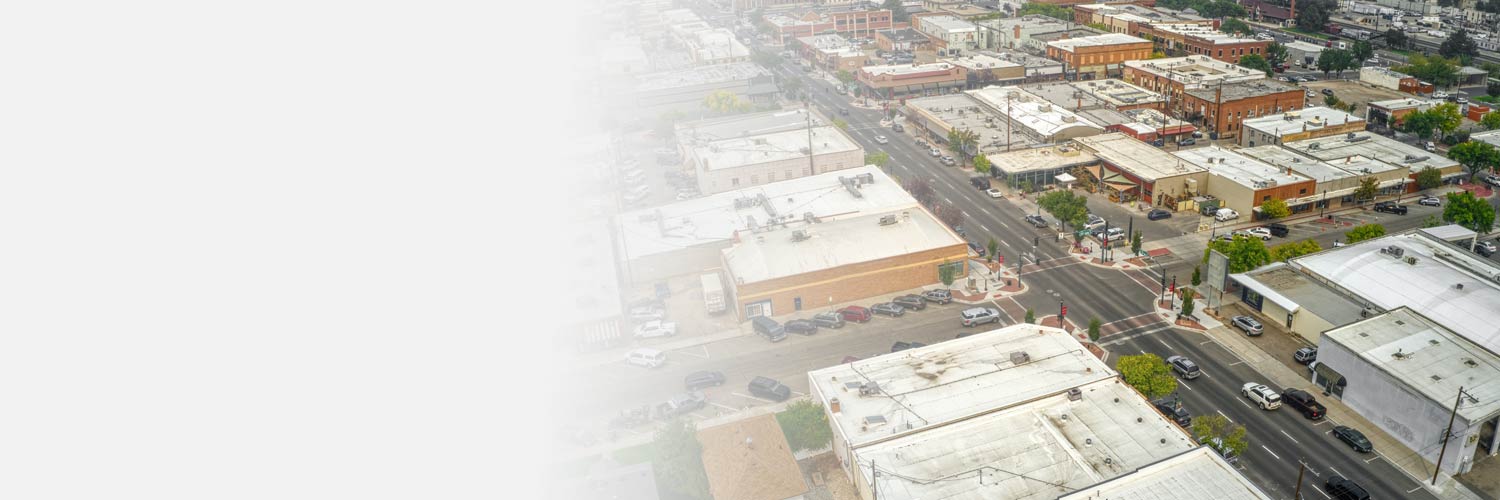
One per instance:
(907,80)
(903,40)
(1137,20)
(1221,109)
(831,53)
(851,23)
(1205,40)
(1097,55)
(1390,113)
(1309,123)
(1173,76)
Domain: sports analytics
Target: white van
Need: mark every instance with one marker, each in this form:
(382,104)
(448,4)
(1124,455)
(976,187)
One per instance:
(646,357)
(1224,214)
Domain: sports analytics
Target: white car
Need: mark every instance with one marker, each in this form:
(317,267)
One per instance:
(995,193)
(1261,395)
(653,329)
(1256,232)
(881,139)
(1439,95)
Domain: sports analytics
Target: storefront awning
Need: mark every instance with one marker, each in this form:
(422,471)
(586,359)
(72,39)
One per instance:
(1266,291)
(1065,178)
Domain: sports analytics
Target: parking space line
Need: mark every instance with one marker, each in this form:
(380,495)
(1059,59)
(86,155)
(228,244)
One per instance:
(1372,459)
(1319,489)
(726,407)
(1189,387)
(1268,450)
(746,396)
(1336,471)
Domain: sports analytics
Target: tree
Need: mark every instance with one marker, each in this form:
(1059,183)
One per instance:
(1030,316)
(1219,433)
(1439,71)
(949,214)
(844,76)
(1197,277)
(1490,121)
(920,189)
(1368,186)
(1147,373)
(961,139)
(1236,26)
(1336,60)
(726,102)
(1276,54)
(1429,178)
(1448,117)
(841,124)
(1255,61)
(898,11)
(1476,156)
(1469,211)
(1460,46)
(1331,100)
(1056,11)
(805,426)
(947,273)
(1361,50)
(1187,303)
(1135,243)
(994,248)
(1275,208)
(1364,232)
(1396,39)
(1218,9)
(878,158)
(1094,329)
(1432,221)
(1312,15)
(1420,123)
(981,164)
(1244,253)
(1288,251)
(1067,207)
(677,459)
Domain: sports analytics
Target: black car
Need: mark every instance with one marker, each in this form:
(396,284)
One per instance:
(902,346)
(1036,221)
(698,380)
(911,302)
(1431,201)
(828,320)
(1344,489)
(801,326)
(976,248)
(888,309)
(1278,230)
(982,183)
(766,388)
(1175,412)
(1390,208)
(1158,214)
(1355,438)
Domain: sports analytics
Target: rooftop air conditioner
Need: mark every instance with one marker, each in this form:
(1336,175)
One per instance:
(800,235)
(886,220)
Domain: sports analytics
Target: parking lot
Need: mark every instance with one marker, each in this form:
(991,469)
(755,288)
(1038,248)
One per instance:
(1358,93)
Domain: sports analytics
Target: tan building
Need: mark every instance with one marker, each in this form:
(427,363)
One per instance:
(1308,123)
(898,81)
(1243,183)
(1176,75)
(1098,54)
(750,459)
(1391,161)
(1133,170)
(981,70)
(776,270)
(831,53)
(735,163)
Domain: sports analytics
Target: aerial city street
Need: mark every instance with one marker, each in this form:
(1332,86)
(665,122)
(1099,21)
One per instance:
(994,249)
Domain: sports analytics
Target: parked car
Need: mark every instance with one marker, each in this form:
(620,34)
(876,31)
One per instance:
(994,193)
(646,357)
(656,328)
(1225,214)
(1304,403)
(1174,412)
(680,405)
(880,139)
(1260,232)
(1113,234)
(902,346)
(1261,395)
(911,301)
(1187,142)
(1493,180)
(976,248)
(1093,221)
(1184,367)
(1344,489)
(1390,208)
(939,296)
(1158,214)
(979,315)
(828,320)
(1430,201)
(980,182)
(948,160)
(767,388)
(801,327)
(1485,248)
(1429,146)
(1327,91)
(768,328)
(896,127)
(1036,221)
(1305,355)
(1251,327)
(857,314)
(1355,438)
(699,380)
(888,309)
(935,152)
(1278,230)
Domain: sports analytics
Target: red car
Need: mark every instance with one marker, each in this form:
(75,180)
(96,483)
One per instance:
(857,314)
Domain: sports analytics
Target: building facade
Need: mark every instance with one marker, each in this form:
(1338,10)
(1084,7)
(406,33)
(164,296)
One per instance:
(853,23)
(1097,56)
(1222,109)
(902,81)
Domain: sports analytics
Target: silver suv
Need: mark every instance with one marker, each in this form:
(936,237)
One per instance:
(1248,324)
(978,315)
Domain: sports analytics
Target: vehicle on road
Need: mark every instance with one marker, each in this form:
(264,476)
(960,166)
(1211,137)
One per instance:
(768,328)
(1327,91)
(1158,214)
(1187,142)
(800,327)
(1430,201)
(939,296)
(1174,412)
(1439,95)
(681,404)
(646,357)
(1355,438)
(1184,367)
(699,380)
(1255,232)
(1304,403)
(1278,230)
(897,127)
(979,315)
(1113,234)
(1344,489)
(1251,327)
(902,346)
(768,388)
(994,193)
(1485,248)
(655,328)
(947,160)
(1261,395)
(1225,214)
(1036,221)
(842,111)
(976,248)
(1305,355)
(857,314)
(1493,180)
(888,309)
(1093,222)
(980,182)
(713,293)
(935,152)
(1390,208)
(880,139)
(911,301)
(828,320)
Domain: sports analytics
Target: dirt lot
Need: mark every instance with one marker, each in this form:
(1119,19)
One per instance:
(1351,91)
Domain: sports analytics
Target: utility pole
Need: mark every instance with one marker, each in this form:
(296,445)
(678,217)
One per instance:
(810,168)
(1448,434)
(1298,494)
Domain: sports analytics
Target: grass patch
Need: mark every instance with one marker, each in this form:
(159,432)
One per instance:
(1487,98)
(640,453)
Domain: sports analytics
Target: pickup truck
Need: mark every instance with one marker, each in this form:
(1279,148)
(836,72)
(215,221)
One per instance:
(1304,403)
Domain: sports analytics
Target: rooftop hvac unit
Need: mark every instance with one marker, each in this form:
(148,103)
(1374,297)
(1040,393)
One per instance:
(800,235)
(869,388)
(1019,358)
(1074,394)
(809,218)
(1414,158)
(1069,119)
(886,220)
(1393,251)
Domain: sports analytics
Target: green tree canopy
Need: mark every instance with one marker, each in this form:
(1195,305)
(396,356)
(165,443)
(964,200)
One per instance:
(1275,208)
(1067,207)
(1436,70)
(1368,186)
(1459,46)
(1469,211)
(1276,54)
(1233,25)
(1312,15)
(947,273)
(1255,61)
(981,164)
(1336,60)
(1094,329)
(1030,316)
(1364,232)
(898,11)
(1187,303)
(1477,156)
(805,425)
(1490,121)
(726,102)
(1219,433)
(1288,251)
(878,158)
(1396,39)
(677,459)
(1244,253)
(1429,178)
(1147,373)
(1044,9)
(1362,50)
(961,140)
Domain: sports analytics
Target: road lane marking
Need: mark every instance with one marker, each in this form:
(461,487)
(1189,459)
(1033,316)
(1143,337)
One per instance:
(1268,450)
(1247,405)
(1336,471)
(1372,459)
(727,407)
(1206,342)
(1163,344)
(1226,417)
(1288,436)
(1189,387)
(1236,363)
(986,228)
(746,396)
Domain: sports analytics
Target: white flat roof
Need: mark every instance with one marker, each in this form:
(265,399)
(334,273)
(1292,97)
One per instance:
(700,75)
(1372,146)
(772,147)
(905,69)
(1427,358)
(713,219)
(746,125)
(1492,137)
(1243,170)
(1031,111)
(1196,70)
(1043,158)
(954,379)
(1292,122)
(1195,475)
(1302,46)
(1140,159)
(1032,450)
(1404,103)
(1071,44)
(1316,169)
(1117,92)
(769,254)
(1428,287)
(979,61)
(950,24)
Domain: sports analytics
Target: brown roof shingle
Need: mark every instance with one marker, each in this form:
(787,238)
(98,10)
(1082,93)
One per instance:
(750,460)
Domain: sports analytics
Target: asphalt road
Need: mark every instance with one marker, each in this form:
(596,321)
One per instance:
(1278,439)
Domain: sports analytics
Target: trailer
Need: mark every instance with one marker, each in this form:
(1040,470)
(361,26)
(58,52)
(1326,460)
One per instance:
(713,293)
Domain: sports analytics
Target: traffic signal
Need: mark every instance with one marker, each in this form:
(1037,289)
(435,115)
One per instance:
(1064,310)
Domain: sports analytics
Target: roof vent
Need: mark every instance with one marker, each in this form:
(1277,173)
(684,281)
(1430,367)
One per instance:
(1019,358)
(874,421)
(886,220)
(1459,286)
(1471,362)
(868,388)
(1074,394)
(800,235)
